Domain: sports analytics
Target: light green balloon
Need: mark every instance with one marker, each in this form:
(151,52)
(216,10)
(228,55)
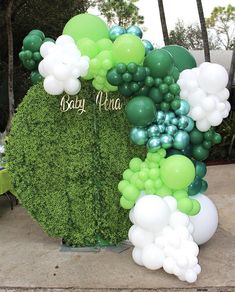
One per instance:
(177,172)
(86,26)
(87,47)
(104,44)
(128,48)
(125,204)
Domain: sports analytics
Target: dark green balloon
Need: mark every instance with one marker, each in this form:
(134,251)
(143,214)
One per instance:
(207,144)
(121,68)
(175,104)
(48,40)
(209,135)
(37,57)
(160,63)
(174,88)
(132,67)
(196,137)
(158,81)
(217,138)
(149,81)
(114,78)
(144,90)
(195,187)
(183,59)
(29,64)
(164,106)
(168,97)
(134,86)
(204,186)
(140,111)
(156,95)
(163,88)
(175,73)
(32,43)
(125,89)
(38,33)
(35,77)
(200,168)
(140,74)
(187,151)
(127,77)
(168,80)
(200,153)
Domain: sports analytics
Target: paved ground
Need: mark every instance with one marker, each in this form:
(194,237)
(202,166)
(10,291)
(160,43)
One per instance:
(30,261)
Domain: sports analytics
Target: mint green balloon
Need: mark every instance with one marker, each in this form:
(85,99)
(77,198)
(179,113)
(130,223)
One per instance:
(87,47)
(128,48)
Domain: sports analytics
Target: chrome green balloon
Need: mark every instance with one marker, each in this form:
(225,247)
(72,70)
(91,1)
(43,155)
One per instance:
(200,168)
(139,136)
(161,128)
(183,122)
(116,31)
(181,140)
(153,144)
(190,126)
(160,117)
(140,111)
(166,141)
(174,121)
(171,130)
(153,131)
(135,30)
(184,108)
(148,46)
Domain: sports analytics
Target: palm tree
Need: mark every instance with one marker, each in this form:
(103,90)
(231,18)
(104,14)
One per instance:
(163,22)
(9,4)
(204,31)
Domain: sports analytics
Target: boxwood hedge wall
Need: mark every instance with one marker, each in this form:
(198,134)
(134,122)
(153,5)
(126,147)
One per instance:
(65,167)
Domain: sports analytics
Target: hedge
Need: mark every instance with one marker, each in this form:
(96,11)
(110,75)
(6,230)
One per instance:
(65,167)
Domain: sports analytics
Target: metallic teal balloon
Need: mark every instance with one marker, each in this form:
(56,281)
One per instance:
(181,140)
(184,108)
(166,141)
(160,117)
(183,122)
(204,186)
(195,187)
(171,130)
(174,121)
(153,131)
(161,128)
(190,126)
(138,136)
(200,168)
(116,31)
(153,144)
(168,118)
(135,30)
(148,46)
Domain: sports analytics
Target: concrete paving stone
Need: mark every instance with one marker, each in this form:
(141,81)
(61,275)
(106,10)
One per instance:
(31,261)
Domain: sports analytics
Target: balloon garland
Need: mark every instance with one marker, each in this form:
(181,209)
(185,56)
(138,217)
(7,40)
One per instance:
(173,107)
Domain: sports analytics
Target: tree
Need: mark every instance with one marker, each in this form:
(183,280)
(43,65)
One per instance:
(163,22)
(122,12)
(190,36)
(204,31)
(222,23)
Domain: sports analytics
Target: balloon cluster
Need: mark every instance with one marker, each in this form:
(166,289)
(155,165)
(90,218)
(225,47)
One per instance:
(160,176)
(30,54)
(205,90)
(62,65)
(162,238)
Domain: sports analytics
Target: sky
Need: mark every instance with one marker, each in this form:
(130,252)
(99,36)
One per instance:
(185,10)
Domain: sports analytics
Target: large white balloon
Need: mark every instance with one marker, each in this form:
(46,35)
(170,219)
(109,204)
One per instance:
(206,221)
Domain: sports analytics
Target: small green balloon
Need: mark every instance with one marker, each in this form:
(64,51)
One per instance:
(38,33)
(184,108)
(130,193)
(35,77)
(104,44)
(153,131)
(164,106)
(158,82)
(196,137)
(149,81)
(156,95)
(140,74)
(87,47)
(207,144)
(217,138)
(209,135)
(195,187)
(132,67)
(195,209)
(30,64)
(175,73)
(127,174)
(114,77)
(127,77)
(122,185)
(139,136)
(199,152)
(125,89)
(166,141)
(190,126)
(168,80)
(174,88)
(177,172)
(125,204)
(32,43)
(154,144)
(200,169)
(175,104)
(135,164)
(37,57)
(171,130)
(160,63)
(48,40)
(168,97)
(163,88)
(185,205)
(121,68)
(204,186)
(140,111)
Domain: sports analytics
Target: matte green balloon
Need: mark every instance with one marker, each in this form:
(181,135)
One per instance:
(156,95)
(200,168)
(195,187)
(125,204)
(104,44)
(183,59)
(175,74)
(114,77)
(32,43)
(140,111)
(86,26)
(196,137)
(35,77)
(200,153)
(204,186)
(87,47)
(177,172)
(128,48)
(160,63)
(38,33)
(185,205)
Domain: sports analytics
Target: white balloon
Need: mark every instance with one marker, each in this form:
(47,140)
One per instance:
(64,39)
(131,216)
(72,86)
(190,276)
(151,213)
(178,219)
(171,202)
(152,257)
(140,237)
(61,72)
(190,247)
(41,69)
(53,86)
(213,78)
(203,125)
(215,118)
(45,48)
(208,103)
(76,73)
(206,221)
(197,113)
(130,232)
(223,94)
(196,97)
(137,256)
(169,265)
(220,106)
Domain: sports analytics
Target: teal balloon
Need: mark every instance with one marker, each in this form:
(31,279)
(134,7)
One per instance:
(153,131)
(184,108)
(181,140)
(187,151)
(160,117)
(140,111)
(153,144)
(171,130)
(190,126)
(183,122)
(183,59)
(173,151)
(204,186)
(148,46)
(139,136)
(166,141)
(116,31)
(200,168)
(168,119)
(174,121)
(135,30)
(195,187)
(161,128)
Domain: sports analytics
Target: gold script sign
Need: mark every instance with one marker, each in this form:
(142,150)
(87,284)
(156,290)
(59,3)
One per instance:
(103,102)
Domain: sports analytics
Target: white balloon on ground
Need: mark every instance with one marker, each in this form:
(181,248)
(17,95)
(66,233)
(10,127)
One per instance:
(206,221)
(152,257)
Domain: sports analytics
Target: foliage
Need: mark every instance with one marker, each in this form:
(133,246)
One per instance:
(122,12)
(222,21)
(66,167)
(190,36)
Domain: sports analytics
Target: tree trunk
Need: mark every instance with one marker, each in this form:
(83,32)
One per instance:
(163,22)
(204,31)
(10,63)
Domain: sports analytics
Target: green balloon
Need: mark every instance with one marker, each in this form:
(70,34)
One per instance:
(140,74)
(125,89)
(183,59)
(128,48)
(125,204)
(87,47)
(140,111)
(86,26)
(195,187)
(32,43)
(177,172)
(35,77)
(104,44)
(195,209)
(156,95)
(37,57)
(196,137)
(131,193)
(132,68)
(48,40)
(38,33)
(160,63)
(199,152)
(175,74)
(200,168)
(185,205)
(113,77)
(217,138)
(204,186)
(29,64)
